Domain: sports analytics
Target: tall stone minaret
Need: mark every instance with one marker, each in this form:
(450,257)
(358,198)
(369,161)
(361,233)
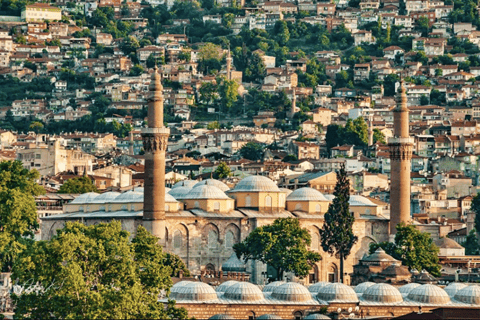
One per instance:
(294,104)
(401,146)
(155,139)
(229,66)
(131,143)
(370,130)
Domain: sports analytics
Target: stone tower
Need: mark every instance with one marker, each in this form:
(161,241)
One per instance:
(294,104)
(155,139)
(131,143)
(370,130)
(401,146)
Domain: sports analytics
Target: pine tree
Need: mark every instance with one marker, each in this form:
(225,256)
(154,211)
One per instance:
(337,234)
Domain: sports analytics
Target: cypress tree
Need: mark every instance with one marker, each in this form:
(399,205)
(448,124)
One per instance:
(337,234)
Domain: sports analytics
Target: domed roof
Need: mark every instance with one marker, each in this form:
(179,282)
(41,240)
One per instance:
(85,198)
(169,198)
(197,291)
(316,316)
(286,190)
(179,193)
(213,182)
(405,290)
(469,294)
(453,288)
(139,189)
(223,287)
(129,196)
(429,293)
(256,184)
(360,201)
(272,285)
(316,286)
(306,194)
(269,317)
(379,256)
(447,243)
(105,197)
(221,316)
(243,291)
(233,264)
(184,183)
(167,189)
(382,292)
(175,288)
(205,192)
(291,291)
(360,289)
(337,292)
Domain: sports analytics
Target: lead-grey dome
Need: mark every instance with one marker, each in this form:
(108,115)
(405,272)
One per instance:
(85,198)
(360,289)
(196,291)
(105,197)
(405,290)
(243,291)
(272,285)
(453,288)
(317,316)
(213,182)
(129,197)
(180,193)
(429,293)
(169,198)
(221,316)
(233,264)
(225,285)
(176,286)
(291,291)
(184,183)
(256,184)
(469,294)
(203,192)
(269,317)
(316,286)
(382,292)
(306,194)
(337,292)
(286,190)
(139,189)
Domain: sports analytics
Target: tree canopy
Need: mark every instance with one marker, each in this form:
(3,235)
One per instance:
(96,272)
(252,151)
(355,132)
(282,245)
(414,248)
(78,185)
(223,170)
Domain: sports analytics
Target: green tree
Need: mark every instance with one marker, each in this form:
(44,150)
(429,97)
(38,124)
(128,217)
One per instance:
(18,213)
(281,32)
(414,248)
(438,72)
(475,207)
(213,125)
(96,272)
(136,70)
(472,247)
(282,245)
(78,185)
(252,151)
(424,101)
(36,126)
(378,136)
(208,92)
(337,235)
(228,91)
(223,170)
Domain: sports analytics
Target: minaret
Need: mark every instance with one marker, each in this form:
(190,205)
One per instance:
(401,146)
(229,66)
(370,130)
(294,104)
(131,144)
(155,139)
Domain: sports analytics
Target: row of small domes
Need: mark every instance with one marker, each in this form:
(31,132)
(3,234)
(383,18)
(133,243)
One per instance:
(329,292)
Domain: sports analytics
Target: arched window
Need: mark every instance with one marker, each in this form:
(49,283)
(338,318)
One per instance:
(177,239)
(216,206)
(196,204)
(102,208)
(212,239)
(229,239)
(167,208)
(298,207)
(268,201)
(315,241)
(124,207)
(317,208)
(248,201)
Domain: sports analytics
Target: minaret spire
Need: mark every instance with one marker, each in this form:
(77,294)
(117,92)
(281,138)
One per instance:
(155,141)
(229,65)
(401,147)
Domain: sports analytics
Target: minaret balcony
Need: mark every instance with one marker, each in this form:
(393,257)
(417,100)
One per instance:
(399,140)
(155,130)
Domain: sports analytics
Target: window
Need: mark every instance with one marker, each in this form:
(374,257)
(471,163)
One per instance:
(177,239)
(317,208)
(315,241)
(167,207)
(216,206)
(298,207)
(268,201)
(229,240)
(196,204)
(212,239)
(248,201)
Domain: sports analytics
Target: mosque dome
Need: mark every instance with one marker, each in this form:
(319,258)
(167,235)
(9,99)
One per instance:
(360,289)
(167,189)
(292,291)
(139,189)
(337,292)
(469,294)
(286,190)
(85,198)
(185,183)
(233,264)
(225,285)
(405,290)
(129,196)
(213,182)
(316,286)
(105,197)
(243,291)
(272,285)
(205,192)
(382,292)
(221,316)
(429,293)
(196,291)
(179,193)
(306,194)
(169,198)
(453,288)
(256,184)
(175,288)
(356,200)
(379,256)
(316,316)
(268,317)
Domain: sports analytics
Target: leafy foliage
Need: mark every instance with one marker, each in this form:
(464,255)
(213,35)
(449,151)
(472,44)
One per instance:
(223,170)
(78,185)
(252,151)
(471,244)
(414,248)
(355,132)
(282,245)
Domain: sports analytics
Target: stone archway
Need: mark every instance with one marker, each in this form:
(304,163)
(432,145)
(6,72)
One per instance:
(332,273)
